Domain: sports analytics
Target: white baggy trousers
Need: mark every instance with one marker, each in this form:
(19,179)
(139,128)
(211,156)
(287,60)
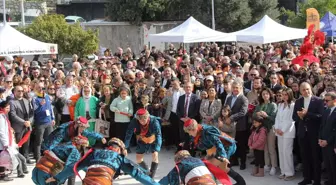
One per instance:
(286,155)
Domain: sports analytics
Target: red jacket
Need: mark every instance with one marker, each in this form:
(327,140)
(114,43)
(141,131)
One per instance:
(258,140)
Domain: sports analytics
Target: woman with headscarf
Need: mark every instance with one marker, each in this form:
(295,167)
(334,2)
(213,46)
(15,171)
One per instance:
(86,106)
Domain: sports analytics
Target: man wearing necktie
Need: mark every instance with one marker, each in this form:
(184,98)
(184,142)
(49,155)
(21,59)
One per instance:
(327,137)
(187,108)
(239,105)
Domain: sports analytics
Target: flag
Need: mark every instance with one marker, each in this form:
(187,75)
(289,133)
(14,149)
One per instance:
(313,17)
(25,138)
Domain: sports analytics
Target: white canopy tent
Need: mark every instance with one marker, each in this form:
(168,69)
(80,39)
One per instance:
(268,31)
(13,42)
(191,31)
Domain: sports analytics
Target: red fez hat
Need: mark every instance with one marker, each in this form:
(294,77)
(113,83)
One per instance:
(188,122)
(141,112)
(83,120)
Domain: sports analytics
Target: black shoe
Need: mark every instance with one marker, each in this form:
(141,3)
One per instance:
(242,166)
(21,176)
(6,178)
(28,161)
(305,182)
(25,171)
(234,163)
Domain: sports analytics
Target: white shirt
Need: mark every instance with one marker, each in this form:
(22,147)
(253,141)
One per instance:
(164,82)
(331,110)
(69,91)
(187,97)
(306,102)
(176,95)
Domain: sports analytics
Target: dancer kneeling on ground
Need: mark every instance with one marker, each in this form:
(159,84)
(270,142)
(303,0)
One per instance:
(56,164)
(193,171)
(218,145)
(149,139)
(103,164)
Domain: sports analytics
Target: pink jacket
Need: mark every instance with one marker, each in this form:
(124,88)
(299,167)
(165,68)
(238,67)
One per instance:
(257,140)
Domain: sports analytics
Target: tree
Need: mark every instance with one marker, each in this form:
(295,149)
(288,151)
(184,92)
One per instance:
(232,15)
(260,8)
(299,20)
(136,11)
(70,38)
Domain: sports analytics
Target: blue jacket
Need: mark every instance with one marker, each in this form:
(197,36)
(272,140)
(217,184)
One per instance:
(116,162)
(65,152)
(43,114)
(62,135)
(184,167)
(154,129)
(211,137)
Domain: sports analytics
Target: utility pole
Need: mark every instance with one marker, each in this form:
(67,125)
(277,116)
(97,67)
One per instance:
(213,14)
(22,13)
(4,11)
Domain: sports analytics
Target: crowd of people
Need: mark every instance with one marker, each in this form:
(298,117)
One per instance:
(280,114)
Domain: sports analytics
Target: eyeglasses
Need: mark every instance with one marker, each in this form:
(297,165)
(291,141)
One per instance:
(51,88)
(327,101)
(253,74)
(157,82)
(8,82)
(19,91)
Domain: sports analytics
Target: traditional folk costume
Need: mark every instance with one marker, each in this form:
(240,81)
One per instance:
(218,145)
(193,171)
(59,162)
(103,164)
(149,138)
(67,131)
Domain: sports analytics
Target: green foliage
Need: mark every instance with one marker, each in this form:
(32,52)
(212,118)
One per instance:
(70,38)
(299,20)
(230,15)
(264,7)
(135,11)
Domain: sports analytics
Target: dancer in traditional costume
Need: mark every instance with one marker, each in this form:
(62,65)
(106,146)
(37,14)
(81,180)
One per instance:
(103,164)
(194,171)
(218,145)
(66,131)
(58,163)
(147,129)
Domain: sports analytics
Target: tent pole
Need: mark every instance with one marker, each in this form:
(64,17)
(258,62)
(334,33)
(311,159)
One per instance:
(4,11)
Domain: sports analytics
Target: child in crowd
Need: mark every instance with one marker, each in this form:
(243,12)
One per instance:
(257,142)
(22,165)
(225,126)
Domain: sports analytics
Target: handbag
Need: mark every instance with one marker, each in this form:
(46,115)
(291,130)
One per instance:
(8,159)
(102,126)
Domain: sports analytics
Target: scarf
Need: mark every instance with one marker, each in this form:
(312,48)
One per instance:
(10,135)
(144,128)
(198,135)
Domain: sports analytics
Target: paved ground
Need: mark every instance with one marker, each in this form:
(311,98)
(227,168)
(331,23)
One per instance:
(166,164)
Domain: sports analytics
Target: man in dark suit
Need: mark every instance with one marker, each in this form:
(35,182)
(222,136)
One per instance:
(308,112)
(251,75)
(21,117)
(188,106)
(326,137)
(239,105)
(274,85)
